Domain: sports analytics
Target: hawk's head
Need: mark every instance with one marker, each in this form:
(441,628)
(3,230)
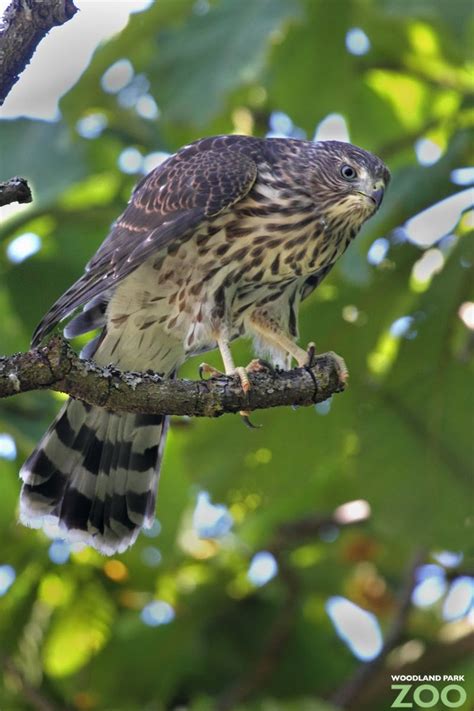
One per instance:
(347,182)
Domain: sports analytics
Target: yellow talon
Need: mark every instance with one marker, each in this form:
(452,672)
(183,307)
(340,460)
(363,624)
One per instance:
(342,369)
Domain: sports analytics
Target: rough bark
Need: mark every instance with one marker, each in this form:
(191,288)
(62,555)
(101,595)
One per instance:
(14,190)
(23,26)
(55,366)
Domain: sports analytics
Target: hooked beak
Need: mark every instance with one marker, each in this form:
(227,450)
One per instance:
(374,192)
(377,195)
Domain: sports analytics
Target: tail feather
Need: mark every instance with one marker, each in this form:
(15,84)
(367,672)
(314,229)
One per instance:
(95,473)
(91,317)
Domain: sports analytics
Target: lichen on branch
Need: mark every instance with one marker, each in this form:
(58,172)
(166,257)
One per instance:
(55,366)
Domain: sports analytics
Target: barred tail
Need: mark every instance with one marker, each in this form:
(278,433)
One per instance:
(96,474)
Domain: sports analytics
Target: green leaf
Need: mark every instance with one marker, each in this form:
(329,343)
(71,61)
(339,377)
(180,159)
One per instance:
(398,437)
(311,71)
(198,64)
(78,632)
(58,160)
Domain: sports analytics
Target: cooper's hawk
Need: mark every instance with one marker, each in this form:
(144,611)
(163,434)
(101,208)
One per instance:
(224,239)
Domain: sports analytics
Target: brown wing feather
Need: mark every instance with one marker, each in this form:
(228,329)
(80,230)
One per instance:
(198,182)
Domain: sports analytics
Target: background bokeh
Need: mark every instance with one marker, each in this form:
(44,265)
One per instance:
(282,558)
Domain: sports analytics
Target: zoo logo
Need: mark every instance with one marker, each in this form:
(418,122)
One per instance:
(426,696)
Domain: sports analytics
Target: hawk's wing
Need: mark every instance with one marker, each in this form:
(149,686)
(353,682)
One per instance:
(197,183)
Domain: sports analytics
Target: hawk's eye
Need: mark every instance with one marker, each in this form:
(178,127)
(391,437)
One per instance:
(348,172)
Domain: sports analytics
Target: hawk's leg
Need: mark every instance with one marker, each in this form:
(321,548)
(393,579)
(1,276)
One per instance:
(231,369)
(229,366)
(271,332)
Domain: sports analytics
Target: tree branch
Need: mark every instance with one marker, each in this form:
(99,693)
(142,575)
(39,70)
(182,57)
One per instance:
(25,23)
(55,366)
(438,658)
(264,666)
(348,696)
(32,695)
(287,537)
(14,190)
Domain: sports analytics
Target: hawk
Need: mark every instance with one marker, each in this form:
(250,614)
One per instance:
(224,239)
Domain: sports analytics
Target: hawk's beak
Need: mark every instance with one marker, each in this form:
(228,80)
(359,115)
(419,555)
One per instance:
(377,195)
(374,191)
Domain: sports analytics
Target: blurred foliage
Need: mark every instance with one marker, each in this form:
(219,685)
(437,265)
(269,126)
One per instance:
(399,438)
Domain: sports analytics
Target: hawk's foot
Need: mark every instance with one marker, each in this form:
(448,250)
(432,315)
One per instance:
(257,365)
(241,372)
(310,353)
(305,358)
(341,367)
(253,367)
(206,369)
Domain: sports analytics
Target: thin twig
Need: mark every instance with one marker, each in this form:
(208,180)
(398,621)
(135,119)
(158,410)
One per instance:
(32,695)
(55,366)
(263,668)
(437,658)
(347,697)
(286,537)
